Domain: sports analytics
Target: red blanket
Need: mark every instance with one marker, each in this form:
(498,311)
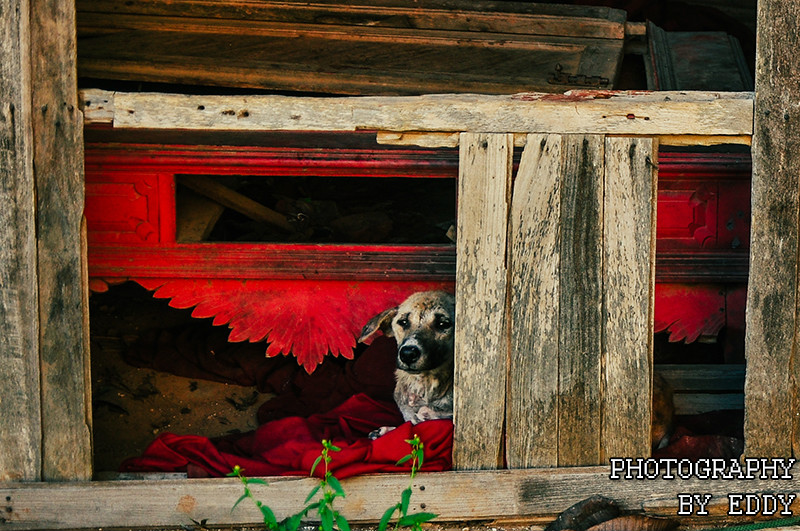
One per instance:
(290,446)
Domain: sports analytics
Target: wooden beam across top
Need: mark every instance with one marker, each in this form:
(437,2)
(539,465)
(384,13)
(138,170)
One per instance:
(601,112)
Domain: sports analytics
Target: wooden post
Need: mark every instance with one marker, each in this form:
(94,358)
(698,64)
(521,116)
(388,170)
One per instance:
(629,245)
(534,262)
(580,301)
(481,342)
(44,379)
(58,163)
(772,424)
(20,430)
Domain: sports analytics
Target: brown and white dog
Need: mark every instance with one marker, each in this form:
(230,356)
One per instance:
(423,326)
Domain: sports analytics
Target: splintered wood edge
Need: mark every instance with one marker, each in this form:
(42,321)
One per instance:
(413,118)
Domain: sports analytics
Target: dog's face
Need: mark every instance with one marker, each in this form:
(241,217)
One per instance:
(423,326)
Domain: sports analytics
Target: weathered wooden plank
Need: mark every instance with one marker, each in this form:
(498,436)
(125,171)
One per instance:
(500,17)
(357,60)
(534,260)
(772,423)
(580,301)
(481,344)
(454,496)
(704,377)
(629,226)
(626,113)
(20,429)
(694,403)
(58,164)
(436,140)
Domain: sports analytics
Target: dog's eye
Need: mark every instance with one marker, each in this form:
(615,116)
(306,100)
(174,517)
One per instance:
(403,323)
(443,323)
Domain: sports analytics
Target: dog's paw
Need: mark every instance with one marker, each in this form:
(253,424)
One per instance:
(374,434)
(424,413)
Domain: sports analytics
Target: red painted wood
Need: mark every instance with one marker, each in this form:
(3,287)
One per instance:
(308,319)
(310,299)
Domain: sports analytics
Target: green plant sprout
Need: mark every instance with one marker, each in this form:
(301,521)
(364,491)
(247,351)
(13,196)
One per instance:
(414,521)
(329,489)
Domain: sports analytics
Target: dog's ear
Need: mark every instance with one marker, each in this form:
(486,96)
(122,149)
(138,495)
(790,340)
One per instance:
(382,322)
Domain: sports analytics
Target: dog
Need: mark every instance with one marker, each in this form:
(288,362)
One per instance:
(424,327)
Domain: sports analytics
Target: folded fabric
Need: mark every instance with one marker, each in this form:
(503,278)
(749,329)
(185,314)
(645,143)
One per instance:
(289,446)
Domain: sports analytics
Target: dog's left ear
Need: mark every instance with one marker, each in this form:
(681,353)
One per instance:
(382,322)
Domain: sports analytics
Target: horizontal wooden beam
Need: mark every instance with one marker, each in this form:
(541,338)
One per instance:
(454,496)
(601,112)
(450,140)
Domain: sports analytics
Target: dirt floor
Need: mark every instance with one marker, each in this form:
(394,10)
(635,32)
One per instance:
(132,405)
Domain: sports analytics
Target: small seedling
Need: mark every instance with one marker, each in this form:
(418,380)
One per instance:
(414,521)
(329,489)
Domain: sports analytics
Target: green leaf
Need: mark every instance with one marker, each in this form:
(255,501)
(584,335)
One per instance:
(293,522)
(313,493)
(326,518)
(242,497)
(257,481)
(314,466)
(420,458)
(405,499)
(386,518)
(269,517)
(341,521)
(403,460)
(416,519)
(334,483)
(334,448)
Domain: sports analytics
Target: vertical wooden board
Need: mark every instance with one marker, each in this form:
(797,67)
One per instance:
(772,426)
(58,156)
(20,441)
(580,301)
(481,343)
(629,286)
(532,402)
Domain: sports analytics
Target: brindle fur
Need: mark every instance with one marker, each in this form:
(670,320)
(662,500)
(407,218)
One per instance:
(426,322)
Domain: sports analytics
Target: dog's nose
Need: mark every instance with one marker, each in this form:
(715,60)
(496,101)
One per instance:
(408,354)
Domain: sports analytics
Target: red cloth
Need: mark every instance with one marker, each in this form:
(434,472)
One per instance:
(289,446)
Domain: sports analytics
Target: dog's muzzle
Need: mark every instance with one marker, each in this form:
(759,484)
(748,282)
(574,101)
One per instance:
(409,354)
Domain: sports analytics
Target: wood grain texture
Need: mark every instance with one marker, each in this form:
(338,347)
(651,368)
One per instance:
(58,163)
(772,426)
(454,496)
(580,301)
(534,261)
(20,427)
(353,49)
(501,17)
(627,113)
(629,285)
(481,343)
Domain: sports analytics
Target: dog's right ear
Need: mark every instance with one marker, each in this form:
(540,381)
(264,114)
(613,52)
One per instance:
(382,322)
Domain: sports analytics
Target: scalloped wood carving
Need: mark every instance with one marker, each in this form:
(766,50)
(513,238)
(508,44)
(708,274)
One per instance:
(307,319)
